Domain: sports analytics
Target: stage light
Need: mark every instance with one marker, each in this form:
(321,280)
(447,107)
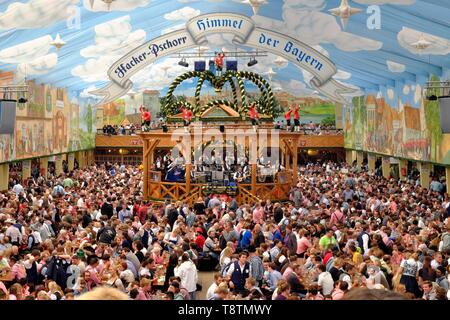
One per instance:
(252,62)
(183,63)
(22,100)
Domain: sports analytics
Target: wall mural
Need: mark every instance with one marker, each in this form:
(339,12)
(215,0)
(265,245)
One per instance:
(51,122)
(398,121)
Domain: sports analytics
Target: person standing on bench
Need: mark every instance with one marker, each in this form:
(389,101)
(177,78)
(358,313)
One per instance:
(146,118)
(287,117)
(187,117)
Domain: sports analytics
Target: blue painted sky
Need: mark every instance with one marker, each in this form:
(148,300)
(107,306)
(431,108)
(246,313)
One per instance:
(365,58)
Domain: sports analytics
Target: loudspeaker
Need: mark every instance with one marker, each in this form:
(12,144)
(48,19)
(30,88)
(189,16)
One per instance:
(222,128)
(199,66)
(444,106)
(165,129)
(212,66)
(7,116)
(231,65)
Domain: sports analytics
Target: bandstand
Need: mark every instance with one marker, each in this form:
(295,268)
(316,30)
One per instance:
(223,124)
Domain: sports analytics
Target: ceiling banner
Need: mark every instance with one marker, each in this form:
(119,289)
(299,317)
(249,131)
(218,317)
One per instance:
(245,33)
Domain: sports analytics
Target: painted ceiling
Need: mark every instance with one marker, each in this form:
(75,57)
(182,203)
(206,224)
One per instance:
(408,39)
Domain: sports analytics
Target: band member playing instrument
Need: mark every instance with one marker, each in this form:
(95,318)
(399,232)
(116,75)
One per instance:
(287,116)
(254,116)
(187,117)
(146,118)
(297,118)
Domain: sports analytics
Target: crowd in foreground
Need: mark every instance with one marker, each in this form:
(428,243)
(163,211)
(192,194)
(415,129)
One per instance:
(64,237)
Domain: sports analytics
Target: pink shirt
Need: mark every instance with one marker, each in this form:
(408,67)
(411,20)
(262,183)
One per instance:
(94,276)
(258,215)
(143,295)
(18,271)
(303,245)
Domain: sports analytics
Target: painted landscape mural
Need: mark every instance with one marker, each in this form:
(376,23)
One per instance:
(51,122)
(398,121)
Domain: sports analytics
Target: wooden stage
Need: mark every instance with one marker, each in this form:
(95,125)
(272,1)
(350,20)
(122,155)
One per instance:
(285,142)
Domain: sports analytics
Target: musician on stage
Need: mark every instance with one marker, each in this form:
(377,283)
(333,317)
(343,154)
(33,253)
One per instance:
(254,116)
(146,118)
(219,63)
(297,118)
(187,117)
(287,117)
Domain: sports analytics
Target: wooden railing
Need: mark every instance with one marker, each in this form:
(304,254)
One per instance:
(245,196)
(178,191)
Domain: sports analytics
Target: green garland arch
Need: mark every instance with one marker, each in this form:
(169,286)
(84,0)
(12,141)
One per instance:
(170,107)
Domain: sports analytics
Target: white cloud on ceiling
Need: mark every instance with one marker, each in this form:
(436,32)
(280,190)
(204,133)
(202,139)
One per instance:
(438,46)
(316,5)
(173,28)
(113,39)
(86,93)
(417,93)
(296,88)
(315,27)
(36,13)
(38,66)
(342,75)
(390,93)
(395,67)
(118,5)
(357,93)
(185,13)
(163,73)
(26,51)
(379,2)
(406,89)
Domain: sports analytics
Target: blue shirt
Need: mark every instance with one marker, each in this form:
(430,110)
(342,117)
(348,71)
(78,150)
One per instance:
(274,277)
(246,239)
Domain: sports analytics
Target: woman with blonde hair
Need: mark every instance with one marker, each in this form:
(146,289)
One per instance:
(42,295)
(15,292)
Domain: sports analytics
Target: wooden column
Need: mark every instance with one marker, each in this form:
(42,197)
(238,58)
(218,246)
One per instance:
(26,169)
(447,178)
(294,160)
(386,167)
(425,169)
(188,177)
(254,176)
(4,176)
(70,161)
(43,166)
(359,159)
(145,163)
(403,165)
(288,159)
(58,165)
(371,159)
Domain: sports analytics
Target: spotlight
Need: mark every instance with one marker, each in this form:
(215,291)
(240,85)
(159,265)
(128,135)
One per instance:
(252,62)
(22,100)
(183,63)
(433,97)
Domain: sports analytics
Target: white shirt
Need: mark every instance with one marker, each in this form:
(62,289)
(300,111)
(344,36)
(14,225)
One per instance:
(18,188)
(187,271)
(325,280)
(210,293)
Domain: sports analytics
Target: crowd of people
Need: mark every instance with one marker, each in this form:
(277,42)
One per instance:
(62,237)
(122,130)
